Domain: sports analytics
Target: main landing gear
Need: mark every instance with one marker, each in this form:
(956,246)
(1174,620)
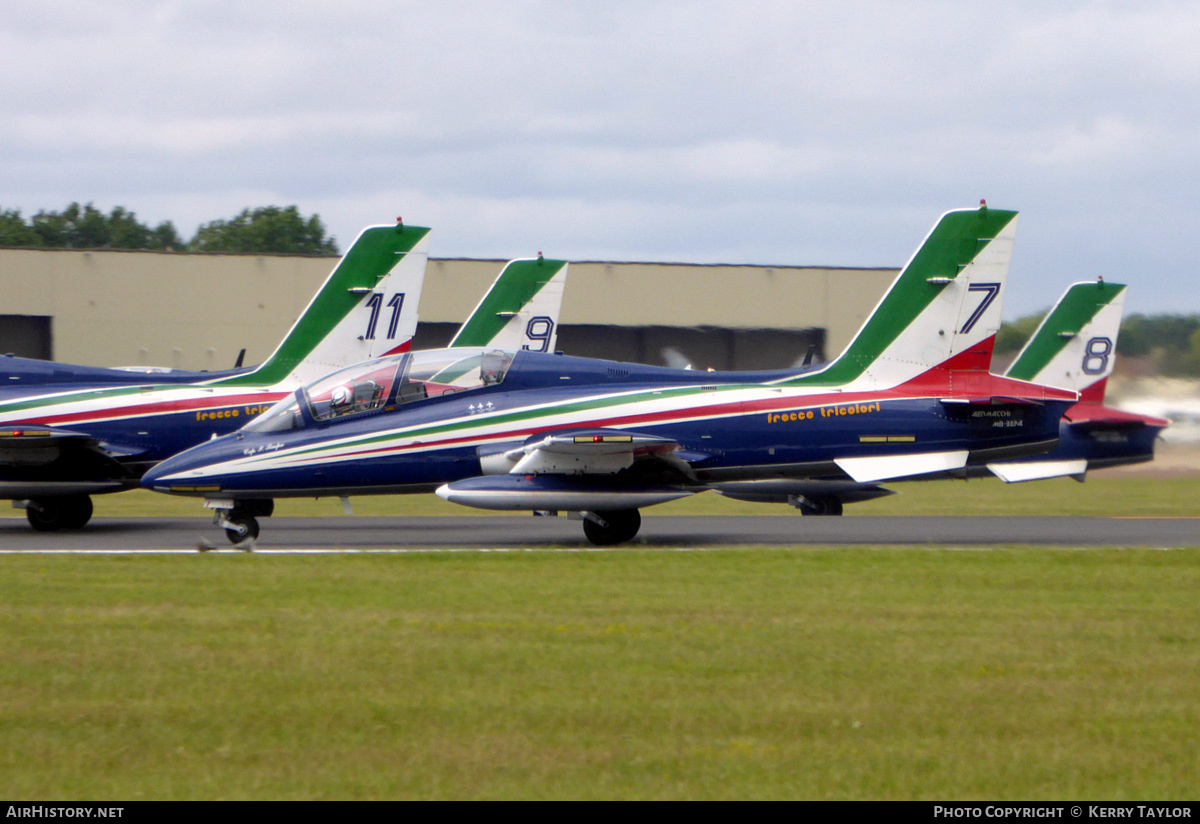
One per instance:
(818,505)
(59,512)
(614,526)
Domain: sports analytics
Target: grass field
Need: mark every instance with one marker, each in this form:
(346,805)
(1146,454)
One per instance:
(1013,673)
(852,673)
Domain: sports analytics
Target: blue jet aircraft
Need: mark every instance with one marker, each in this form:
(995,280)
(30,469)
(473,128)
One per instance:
(64,440)
(67,431)
(1073,348)
(520,430)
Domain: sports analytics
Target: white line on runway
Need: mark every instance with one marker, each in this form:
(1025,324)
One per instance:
(377,551)
(555,550)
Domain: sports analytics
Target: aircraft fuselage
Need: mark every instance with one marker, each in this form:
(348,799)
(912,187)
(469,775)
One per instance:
(727,426)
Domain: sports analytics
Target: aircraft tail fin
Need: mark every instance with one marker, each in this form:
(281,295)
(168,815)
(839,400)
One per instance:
(943,309)
(521,309)
(366,308)
(1075,345)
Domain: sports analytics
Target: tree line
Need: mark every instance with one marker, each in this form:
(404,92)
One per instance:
(265,230)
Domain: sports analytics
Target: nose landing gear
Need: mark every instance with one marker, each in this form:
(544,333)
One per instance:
(239,519)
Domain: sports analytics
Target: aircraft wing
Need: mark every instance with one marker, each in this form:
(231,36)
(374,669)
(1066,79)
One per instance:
(578,470)
(594,468)
(78,461)
(33,442)
(584,452)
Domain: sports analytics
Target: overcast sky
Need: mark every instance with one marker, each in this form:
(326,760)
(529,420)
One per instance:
(781,132)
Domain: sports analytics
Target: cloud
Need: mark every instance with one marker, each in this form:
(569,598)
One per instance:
(770,132)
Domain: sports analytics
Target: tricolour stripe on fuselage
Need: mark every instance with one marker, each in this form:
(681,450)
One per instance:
(161,419)
(755,424)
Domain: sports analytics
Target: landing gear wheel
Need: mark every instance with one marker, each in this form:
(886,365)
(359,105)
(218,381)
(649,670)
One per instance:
(620,525)
(44,516)
(53,514)
(240,528)
(77,511)
(821,505)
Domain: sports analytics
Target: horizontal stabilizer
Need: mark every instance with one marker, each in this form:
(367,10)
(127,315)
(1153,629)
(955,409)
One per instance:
(871,469)
(1012,473)
(1089,416)
(540,492)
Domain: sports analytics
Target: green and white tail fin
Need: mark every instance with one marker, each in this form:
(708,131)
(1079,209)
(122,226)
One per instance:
(1075,346)
(521,309)
(365,309)
(941,312)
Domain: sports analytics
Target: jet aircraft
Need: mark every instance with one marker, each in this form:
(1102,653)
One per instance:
(61,443)
(1073,348)
(87,430)
(499,429)
(327,335)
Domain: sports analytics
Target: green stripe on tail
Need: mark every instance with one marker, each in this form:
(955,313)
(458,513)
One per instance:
(376,252)
(1081,303)
(954,242)
(516,286)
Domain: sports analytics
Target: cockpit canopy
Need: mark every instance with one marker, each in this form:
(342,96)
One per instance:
(385,383)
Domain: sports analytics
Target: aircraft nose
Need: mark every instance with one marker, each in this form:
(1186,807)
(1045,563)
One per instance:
(172,475)
(151,477)
(155,474)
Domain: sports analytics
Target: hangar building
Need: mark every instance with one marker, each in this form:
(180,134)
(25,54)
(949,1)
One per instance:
(197,311)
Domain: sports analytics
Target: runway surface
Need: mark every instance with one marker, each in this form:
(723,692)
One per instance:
(479,533)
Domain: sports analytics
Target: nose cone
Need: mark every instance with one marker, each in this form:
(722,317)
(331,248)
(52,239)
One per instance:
(154,476)
(186,473)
